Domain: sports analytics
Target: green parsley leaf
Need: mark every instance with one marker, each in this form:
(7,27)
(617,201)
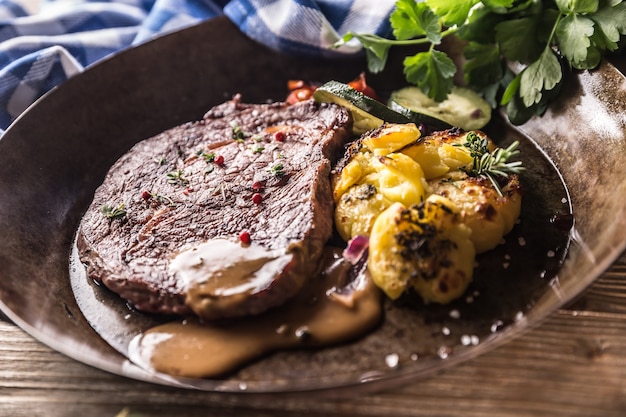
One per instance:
(518,113)
(577,6)
(511,90)
(483,66)
(543,74)
(610,23)
(474,29)
(573,32)
(432,71)
(499,6)
(376,48)
(451,12)
(410,19)
(518,39)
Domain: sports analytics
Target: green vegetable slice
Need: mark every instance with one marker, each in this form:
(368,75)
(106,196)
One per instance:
(463,108)
(367,113)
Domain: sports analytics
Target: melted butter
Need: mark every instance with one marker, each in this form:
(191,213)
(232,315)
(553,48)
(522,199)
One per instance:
(325,312)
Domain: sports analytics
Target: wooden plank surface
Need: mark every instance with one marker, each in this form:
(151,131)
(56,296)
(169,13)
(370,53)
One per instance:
(573,364)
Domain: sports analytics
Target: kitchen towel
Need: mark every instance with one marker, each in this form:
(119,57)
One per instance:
(43,43)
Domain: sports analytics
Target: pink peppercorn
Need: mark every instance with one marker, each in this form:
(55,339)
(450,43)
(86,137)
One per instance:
(244,237)
(280,136)
(258,185)
(257,198)
(218,160)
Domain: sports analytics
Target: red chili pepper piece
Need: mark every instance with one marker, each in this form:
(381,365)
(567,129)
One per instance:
(300,94)
(295,84)
(360,84)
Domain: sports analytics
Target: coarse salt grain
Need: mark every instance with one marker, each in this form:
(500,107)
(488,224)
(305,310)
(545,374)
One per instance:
(392,360)
(497,325)
(444,352)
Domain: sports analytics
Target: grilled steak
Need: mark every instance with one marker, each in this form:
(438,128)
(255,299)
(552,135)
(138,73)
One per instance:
(222,217)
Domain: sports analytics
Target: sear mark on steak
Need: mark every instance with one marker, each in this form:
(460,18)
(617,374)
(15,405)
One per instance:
(257,168)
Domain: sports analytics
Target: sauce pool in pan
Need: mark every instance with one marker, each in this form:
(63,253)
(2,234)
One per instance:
(338,305)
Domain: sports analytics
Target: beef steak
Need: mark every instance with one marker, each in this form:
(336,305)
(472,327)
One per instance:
(168,228)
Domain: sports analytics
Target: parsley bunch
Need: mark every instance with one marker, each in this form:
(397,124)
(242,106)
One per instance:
(546,38)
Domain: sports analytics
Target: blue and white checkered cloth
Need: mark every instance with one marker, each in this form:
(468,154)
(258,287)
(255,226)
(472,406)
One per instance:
(44,42)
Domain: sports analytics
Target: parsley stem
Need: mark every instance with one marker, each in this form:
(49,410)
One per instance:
(553,31)
(415,41)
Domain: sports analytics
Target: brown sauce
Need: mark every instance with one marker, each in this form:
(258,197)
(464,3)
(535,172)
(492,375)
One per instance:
(332,308)
(219,273)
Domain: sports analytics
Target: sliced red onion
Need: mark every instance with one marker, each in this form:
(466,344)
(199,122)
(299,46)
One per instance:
(356,249)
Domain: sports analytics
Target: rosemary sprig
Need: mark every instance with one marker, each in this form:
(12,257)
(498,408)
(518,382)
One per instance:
(237,132)
(163,199)
(277,170)
(208,157)
(113,213)
(491,164)
(177,178)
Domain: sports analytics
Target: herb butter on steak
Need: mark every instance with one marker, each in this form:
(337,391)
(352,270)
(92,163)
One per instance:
(168,228)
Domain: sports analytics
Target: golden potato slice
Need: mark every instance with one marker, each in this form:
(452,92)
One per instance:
(357,210)
(351,174)
(390,138)
(400,178)
(372,179)
(422,247)
(442,152)
(426,154)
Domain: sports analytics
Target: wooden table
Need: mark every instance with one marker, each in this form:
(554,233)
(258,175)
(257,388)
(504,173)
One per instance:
(573,364)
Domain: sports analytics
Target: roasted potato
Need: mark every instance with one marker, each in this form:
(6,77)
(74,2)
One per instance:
(489,214)
(425,247)
(423,205)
